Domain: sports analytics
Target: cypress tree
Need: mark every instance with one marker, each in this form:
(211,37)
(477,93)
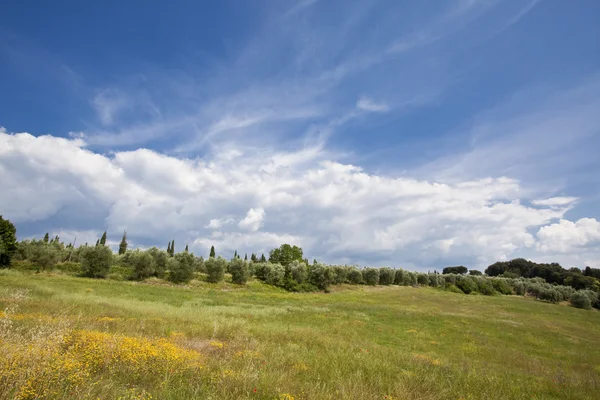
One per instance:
(97,242)
(123,245)
(235,255)
(253,258)
(246,257)
(103,239)
(46,237)
(186,248)
(169,248)
(212,252)
(172,247)
(262,258)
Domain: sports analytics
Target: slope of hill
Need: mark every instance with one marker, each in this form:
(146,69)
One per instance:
(65,337)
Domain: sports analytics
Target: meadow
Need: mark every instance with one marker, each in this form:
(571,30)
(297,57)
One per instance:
(67,337)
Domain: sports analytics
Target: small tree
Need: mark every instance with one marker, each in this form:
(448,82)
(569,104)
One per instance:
(475,272)
(212,252)
(186,248)
(399,277)
(386,276)
(321,276)
(215,269)
(123,244)
(275,274)
(297,271)
(466,285)
(455,270)
(239,271)
(354,276)
(581,300)
(285,254)
(160,258)
(103,239)
(181,270)
(370,276)
(95,261)
(46,237)
(44,256)
(263,258)
(8,242)
(142,263)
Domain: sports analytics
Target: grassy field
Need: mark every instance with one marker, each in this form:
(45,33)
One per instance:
(65,337)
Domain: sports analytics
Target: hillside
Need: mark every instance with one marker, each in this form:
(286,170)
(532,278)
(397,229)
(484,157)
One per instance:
(66,337)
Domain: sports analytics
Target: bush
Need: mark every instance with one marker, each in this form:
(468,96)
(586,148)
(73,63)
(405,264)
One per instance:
(593,296)
(215,269)
(450,278)
(69,267)
(239,271)
(452,288)
(484,286)
(44,256)
(399,277)
(95,261)
(549,295)
(182,269)
(340,274)
(142,264)
(423,279)
(519,288)
(466,285)
(160,258)
(275,274)
(581,300)
(260,270)
(355,276)
(370,276)
(434,280)
(501,286)
(297,271)
(386,276)
(321,276)
(23,265)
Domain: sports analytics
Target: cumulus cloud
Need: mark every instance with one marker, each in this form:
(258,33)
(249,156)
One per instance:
(254,220)
(336,212)
(567,236)
(367,104)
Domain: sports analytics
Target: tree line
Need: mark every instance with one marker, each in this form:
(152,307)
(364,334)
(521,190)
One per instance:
(287,268)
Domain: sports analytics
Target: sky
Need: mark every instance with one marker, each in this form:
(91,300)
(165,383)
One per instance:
(410,134)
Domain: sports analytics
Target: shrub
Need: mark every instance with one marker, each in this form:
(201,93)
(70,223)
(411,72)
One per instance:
(354,276)
(466,285)
(370,276)
(399,277)
(215,269)
(321,276)
(297,271)
(450,278)
(550,295)
(519,288)
(69,267)
(160,258)
(565,291)
(423,279)
(581,300)
(452,288)
(95,261)
(484,286)
(502,286)
(275,274)
(386,276)
(340,274)
(434,280)
(239,271)
(260,270)
(23,265)
(182,270)
(593,296)
(142,264)
(475,272)
(44,256)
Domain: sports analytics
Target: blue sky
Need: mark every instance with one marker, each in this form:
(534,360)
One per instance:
(420,134)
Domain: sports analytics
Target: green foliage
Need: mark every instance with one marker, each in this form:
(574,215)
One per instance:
(354,276)
(142,264)
(8,242)
(46,237)
(423,279)
(453,288)
(474,272)
(215,269)
(485,286)
(550,295)
(239,271)
(274,274)
(340,274)
(285,254)
(399,277)
(181,267)
(386,276)
(159,258)
(502,286)
(370,276)
(519,288)
(455,270)
(296,271)
(123,244)
(434,280)
(581,300)
(69,268)
(321,276)
(466,285)
(95,261)
(212,252)
(44,256)
(103,239)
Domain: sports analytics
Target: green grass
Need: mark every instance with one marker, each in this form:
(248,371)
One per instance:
(354,343)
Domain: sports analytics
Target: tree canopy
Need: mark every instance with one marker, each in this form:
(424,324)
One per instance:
(285,254)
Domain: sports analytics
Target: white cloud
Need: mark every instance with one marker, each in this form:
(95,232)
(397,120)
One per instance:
(254,220)
(567,236)
(367,104)
(336,212)
(555,201)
